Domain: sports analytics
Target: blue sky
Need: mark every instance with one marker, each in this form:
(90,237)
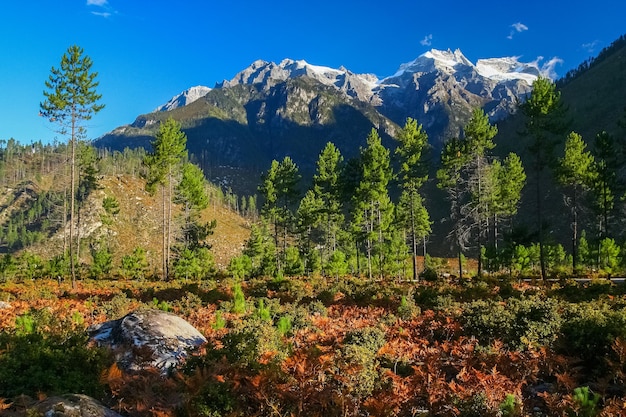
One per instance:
(145,52)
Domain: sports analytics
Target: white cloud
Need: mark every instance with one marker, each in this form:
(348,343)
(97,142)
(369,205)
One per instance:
(427,41)
(548,69)
(590,47)
(102,14)
(517,28)
(99,3)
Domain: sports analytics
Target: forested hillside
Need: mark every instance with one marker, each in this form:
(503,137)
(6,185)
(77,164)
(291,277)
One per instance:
(117,216)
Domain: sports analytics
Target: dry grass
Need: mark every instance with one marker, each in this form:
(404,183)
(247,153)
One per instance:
(139,224)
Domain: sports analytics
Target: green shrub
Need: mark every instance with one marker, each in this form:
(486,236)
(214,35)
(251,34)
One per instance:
(371,338)
(240,267)
(263,312)
(239,300)
(47,355)
(510,407)
(519,323)
(407,308)
(246,344)
(590,329)
(586,402)
(215,399)
(220,322)
(284,325)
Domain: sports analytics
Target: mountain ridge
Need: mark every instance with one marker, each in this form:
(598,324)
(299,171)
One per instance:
(270,110)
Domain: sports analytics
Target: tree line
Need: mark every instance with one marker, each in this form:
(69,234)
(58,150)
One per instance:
(368,216)
(364,216)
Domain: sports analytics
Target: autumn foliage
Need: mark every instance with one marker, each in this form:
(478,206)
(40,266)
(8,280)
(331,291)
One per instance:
(347,350)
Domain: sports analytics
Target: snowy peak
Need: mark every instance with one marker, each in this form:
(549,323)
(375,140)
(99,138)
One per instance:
(433,60)
(272,73)
(186,97)
(508,69)
(496,69)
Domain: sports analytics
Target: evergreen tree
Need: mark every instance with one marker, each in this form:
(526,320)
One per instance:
(576,174)
(545,120)
(191,194)
(279,188)
(373,209)
(168,151)
(450,177)
(326,190)
(413,173)
(309,216)
(71,100)
(607,186)
(509,177)
(479,135)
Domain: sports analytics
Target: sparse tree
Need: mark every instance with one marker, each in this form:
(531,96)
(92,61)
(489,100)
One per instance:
(70,100)
(372,208)
(479,135)
(576,174)
(545,121)
(413,173)
(169,150)
(450,177)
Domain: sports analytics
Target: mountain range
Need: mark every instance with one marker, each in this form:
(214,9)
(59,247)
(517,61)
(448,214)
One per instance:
(269,110)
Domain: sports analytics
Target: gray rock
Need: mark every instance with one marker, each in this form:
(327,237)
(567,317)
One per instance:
(148,338)
(73,405)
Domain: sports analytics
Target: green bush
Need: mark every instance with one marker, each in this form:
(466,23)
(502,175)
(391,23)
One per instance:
(45,355)
(246,344)
(239,300)
(590,329)
(519,323)
(284,325)
(407,308)
(585,402)
(371,338)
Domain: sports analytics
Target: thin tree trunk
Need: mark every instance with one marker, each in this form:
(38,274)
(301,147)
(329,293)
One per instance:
(72,198)
(542,258)
(169,221)
(574,233)
(164,234)
(413,238)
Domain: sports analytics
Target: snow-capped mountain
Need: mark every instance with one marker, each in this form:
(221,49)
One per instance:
(269,110)
(493,84)
(186,97)
(497,69)
(360,86)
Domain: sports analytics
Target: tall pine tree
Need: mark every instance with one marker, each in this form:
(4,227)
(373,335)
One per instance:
(169,150)
(71,100)
(372,208)
(413,174)
(576,174)
(545,122)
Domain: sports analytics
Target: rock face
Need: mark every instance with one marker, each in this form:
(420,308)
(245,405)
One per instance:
(148,338)
(73,405)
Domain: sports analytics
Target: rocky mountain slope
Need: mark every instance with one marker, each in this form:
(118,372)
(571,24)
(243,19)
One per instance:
(293,108)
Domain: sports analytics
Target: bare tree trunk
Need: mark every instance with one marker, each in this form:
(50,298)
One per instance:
(164,237)
(72,198)
(169,221)
(413,239)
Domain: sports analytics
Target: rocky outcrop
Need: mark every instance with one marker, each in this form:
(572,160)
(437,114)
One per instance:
(148,338)
(71,405)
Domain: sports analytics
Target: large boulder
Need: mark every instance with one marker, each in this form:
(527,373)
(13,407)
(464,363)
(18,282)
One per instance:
(148,338)
(72,405)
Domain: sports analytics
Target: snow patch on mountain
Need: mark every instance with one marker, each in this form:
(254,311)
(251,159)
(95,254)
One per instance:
(186,97)
(496,69)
